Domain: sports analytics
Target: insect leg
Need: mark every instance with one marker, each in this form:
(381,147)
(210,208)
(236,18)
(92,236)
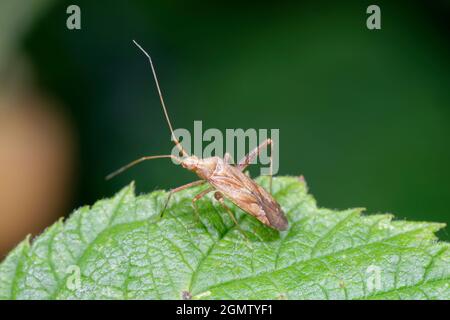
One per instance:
(198,197)
(271,166)
(171,192)
(219,197)
(253,154)
(227,158)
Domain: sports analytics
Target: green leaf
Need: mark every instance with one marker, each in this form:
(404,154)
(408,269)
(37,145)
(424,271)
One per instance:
(120,249)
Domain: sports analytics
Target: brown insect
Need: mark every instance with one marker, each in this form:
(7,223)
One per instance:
(227,180)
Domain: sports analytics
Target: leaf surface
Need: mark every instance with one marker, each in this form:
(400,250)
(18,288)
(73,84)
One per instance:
(120,249)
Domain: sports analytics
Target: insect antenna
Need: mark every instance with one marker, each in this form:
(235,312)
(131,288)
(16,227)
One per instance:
(135,162)
(178,144)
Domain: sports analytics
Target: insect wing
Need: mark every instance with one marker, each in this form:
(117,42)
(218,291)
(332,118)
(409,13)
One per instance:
(248,195)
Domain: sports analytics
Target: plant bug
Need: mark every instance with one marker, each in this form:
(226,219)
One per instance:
(225,179)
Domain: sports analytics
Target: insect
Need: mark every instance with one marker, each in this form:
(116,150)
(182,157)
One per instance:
(225,179)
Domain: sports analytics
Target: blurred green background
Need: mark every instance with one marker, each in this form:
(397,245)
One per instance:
(363,115)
